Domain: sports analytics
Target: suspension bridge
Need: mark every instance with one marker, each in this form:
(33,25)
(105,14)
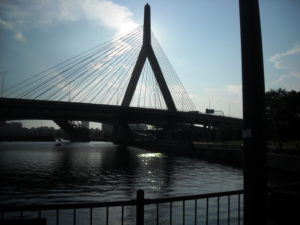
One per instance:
(126,80)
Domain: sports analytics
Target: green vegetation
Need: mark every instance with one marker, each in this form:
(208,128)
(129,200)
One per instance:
(283,117)
(282,125)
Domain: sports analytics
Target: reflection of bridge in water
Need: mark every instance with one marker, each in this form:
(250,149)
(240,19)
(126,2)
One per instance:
(126,80)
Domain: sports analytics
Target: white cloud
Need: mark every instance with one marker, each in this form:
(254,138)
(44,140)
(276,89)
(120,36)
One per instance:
(236,89)
(18,35)
(6,24)
(288,62)
(289,81)
(35,13)
(109,14)
(277,58)
(227,99)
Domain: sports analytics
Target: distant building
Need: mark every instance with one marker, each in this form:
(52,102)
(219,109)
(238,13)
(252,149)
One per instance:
(85,124)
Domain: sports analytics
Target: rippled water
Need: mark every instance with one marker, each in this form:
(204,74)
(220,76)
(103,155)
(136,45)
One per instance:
(43,173)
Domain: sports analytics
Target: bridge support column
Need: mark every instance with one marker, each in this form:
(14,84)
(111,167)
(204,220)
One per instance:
(191,133)
(207,132)
(121,132)
(168,129)
(76,133)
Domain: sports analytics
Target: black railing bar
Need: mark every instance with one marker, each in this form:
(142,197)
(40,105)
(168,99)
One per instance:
(171,206)
(218,210)
(207,200)
(140,207)
(196,211)
(91,216)
(74,216)
(122,216)
(183,212)
(157,214)
(116,203)
(67,206)
(57,216)
(192,197)
(239,209)
(107,215)
(228,210)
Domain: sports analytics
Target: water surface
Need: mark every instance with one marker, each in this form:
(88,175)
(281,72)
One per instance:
(42,173)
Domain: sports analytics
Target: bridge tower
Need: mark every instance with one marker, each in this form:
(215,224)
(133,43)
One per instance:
(147,52)
(122,132)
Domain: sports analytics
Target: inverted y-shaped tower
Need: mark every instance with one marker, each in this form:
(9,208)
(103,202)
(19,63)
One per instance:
(147,52)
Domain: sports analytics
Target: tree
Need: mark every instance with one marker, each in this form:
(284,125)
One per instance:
(283,115)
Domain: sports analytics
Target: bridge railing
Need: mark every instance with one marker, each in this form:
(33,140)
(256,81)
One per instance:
(212,208)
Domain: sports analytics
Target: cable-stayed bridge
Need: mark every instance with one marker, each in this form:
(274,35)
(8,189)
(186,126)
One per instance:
(126,80)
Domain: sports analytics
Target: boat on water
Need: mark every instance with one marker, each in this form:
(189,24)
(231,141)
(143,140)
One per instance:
(60,141)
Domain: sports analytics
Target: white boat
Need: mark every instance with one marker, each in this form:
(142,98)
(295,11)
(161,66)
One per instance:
(60,141)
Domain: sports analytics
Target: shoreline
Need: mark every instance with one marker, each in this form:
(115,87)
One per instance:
(229,156)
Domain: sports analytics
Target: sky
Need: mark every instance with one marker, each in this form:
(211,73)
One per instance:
(201,38)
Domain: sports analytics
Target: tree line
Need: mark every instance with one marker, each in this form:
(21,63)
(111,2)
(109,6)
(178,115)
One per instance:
(283,116)
(282,120)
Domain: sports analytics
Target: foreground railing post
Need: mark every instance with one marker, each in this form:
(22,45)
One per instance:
(140,207)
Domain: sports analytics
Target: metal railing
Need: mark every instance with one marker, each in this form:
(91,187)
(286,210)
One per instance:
(211,208)
(217,197)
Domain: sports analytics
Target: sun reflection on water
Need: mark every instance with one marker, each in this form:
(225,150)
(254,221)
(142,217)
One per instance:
(151,164)
(152,155)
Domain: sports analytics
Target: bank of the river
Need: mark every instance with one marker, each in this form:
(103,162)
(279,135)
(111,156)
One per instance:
(227,154)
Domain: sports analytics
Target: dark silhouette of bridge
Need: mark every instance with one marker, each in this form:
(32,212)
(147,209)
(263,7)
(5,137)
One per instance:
(90,86)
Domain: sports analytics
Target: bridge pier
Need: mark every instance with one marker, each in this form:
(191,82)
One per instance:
(168,129)
(122,133)
(208,131)
(76,134)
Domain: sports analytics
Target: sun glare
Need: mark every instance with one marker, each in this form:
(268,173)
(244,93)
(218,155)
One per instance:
(127,27)
(152,155)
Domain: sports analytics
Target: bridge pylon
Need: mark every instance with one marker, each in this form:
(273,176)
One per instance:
(148,53)
(75,133)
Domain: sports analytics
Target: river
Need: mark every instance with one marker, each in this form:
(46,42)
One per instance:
(43,173)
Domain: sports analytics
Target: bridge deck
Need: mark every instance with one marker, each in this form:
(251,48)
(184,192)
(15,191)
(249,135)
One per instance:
(14,109)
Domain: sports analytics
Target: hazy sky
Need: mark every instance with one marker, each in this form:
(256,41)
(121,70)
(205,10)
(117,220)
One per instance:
(200,37)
